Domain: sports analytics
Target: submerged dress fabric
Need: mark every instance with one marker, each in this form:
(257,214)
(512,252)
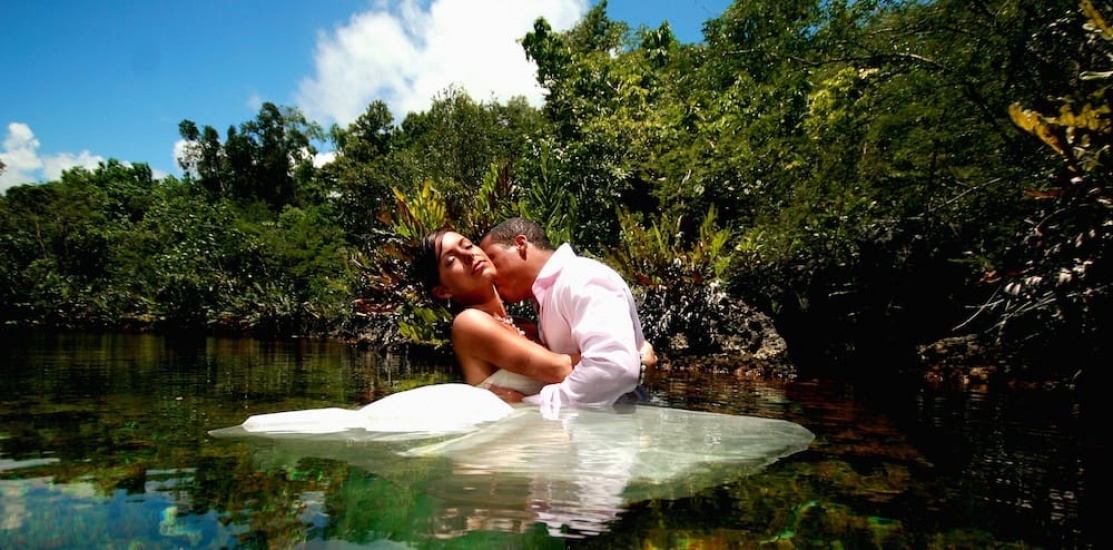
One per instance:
(575,472)
(602,454)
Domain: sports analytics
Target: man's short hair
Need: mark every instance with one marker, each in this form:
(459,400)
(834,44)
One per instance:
(505,232)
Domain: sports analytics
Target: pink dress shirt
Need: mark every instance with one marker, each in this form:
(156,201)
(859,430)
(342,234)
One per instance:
(585,306)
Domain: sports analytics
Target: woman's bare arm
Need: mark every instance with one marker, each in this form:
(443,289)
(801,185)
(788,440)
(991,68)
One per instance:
(476,336)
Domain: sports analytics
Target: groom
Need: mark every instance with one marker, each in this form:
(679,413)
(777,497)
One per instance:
(583,306)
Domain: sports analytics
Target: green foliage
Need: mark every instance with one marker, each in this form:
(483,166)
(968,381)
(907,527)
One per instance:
(679,277)
(391,285)
(493,200)
(63,247)
(307,286)
(425,325)
(132,251)
(454,144)
(546,199)
(420,214)
(588,156)
(369,163)
(458,139)
(197,254)
(1055,284)
(663,255)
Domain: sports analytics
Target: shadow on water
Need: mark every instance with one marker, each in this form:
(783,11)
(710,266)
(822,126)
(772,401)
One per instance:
(104,442)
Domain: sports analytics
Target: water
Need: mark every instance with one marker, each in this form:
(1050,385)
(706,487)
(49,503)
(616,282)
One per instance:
(104,443)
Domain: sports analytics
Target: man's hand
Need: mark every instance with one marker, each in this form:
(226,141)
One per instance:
(649,357)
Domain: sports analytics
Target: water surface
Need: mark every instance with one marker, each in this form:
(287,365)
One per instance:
(104,442)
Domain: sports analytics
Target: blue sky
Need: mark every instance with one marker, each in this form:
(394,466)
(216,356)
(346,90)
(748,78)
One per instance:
(86,81)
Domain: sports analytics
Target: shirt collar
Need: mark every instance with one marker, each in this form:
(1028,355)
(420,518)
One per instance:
(551,270)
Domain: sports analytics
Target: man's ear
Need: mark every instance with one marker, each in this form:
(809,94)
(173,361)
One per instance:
(442,293)
(521,243)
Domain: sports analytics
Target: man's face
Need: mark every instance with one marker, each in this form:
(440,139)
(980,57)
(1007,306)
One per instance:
(511,278)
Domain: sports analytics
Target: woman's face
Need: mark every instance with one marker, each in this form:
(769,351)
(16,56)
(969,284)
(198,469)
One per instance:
(466,273)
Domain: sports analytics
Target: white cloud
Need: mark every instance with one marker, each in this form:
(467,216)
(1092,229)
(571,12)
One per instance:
(24,164)
(255,101)
(321,159)
(19,155)
(54,165)
(407,55)
(185,150)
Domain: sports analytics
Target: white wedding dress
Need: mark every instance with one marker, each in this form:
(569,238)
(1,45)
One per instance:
(436,408)
(513,381)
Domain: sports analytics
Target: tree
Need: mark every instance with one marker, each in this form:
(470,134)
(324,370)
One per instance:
(370,137)
(66,246)
(267,158)
(584,84)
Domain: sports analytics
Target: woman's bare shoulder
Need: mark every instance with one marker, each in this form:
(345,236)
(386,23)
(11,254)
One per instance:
(471,319)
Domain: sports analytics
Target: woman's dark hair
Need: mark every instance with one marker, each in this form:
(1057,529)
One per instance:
(426,265)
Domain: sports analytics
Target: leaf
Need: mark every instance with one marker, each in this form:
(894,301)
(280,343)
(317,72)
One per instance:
(1034,123)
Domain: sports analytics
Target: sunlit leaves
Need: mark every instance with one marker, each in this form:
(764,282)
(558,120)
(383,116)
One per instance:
(1071,135)
(420,214)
